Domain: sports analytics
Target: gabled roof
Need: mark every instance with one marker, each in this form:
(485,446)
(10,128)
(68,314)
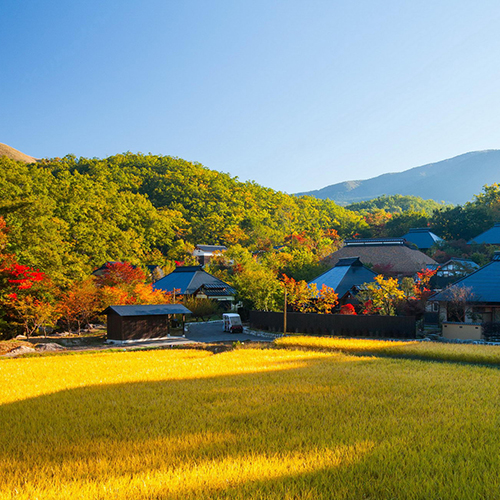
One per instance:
(422,237)
(187,280)
(148,310)
(391,253)
(465,262)
(462,265)
(489,237)
(211,248)
(348,272)
(362,242)
(484,283)
(451,271)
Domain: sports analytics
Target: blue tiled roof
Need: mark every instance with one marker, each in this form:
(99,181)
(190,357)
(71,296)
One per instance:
(189,279)
(489,237)
(422,237)
(148,310)
(347,273)
(484,283)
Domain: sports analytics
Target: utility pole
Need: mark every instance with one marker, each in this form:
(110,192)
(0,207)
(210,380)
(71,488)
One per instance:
(284,314)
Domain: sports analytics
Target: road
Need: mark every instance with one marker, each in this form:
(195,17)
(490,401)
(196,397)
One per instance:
(212,332)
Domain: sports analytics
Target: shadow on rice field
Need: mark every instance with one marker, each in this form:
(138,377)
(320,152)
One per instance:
(251,424)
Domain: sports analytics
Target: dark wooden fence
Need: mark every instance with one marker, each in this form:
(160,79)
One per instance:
(340,325)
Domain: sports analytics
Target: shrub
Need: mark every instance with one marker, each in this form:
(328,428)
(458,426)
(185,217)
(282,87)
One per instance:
(347,309)
(201,308)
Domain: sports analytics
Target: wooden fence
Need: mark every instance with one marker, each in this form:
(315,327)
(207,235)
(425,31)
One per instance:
(340,325)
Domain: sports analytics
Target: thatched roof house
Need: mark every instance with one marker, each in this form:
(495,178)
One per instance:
(391,256)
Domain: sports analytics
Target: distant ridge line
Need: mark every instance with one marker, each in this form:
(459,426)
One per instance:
(455,180)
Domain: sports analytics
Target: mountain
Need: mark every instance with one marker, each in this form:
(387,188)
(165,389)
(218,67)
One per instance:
(455,180)
(14,154)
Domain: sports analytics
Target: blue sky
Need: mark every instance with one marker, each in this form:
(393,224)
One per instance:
(295,95)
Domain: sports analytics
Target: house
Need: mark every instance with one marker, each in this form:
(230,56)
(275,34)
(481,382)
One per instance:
(390,256)
(345,277)
(423,238)
(489,237)
(481,295)
(205,252)
(451,271)
(142,322)
(194,281)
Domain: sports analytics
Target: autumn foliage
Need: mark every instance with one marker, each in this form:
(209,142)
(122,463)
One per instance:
(348,309)
(305,298)
(26,294)
(389,296)
(29,300)
(119,284)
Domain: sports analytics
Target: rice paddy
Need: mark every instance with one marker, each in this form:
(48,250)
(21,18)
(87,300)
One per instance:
(247,424)
(464,353)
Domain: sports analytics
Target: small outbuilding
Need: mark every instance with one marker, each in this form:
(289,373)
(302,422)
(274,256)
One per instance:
(142,322)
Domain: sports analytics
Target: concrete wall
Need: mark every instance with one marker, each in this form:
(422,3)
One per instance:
(463,331)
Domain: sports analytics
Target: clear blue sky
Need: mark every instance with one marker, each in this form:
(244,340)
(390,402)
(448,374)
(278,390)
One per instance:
(295,95)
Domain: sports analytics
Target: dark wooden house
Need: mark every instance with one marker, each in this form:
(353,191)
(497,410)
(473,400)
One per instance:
(141,322)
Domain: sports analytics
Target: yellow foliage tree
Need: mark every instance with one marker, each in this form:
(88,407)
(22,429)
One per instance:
(306,298)
(382,296)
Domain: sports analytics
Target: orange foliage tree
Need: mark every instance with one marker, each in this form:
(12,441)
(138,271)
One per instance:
(80,304)
(120,284)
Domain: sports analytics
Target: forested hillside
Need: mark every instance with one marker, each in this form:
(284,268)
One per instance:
(396,204)
(68,216)
(62,218)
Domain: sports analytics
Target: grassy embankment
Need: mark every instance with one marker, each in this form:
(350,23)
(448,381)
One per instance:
(247,424)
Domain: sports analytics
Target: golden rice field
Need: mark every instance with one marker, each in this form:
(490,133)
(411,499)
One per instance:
(247,424)
(464,353)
